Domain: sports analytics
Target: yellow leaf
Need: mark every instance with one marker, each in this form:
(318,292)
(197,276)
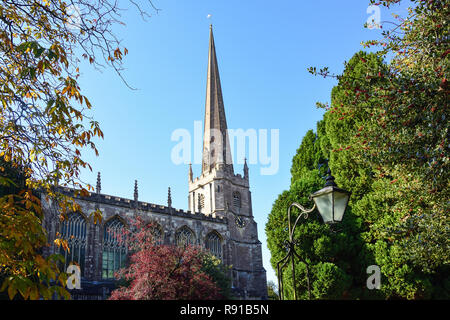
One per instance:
(11,291)
(26,293)
(34,293)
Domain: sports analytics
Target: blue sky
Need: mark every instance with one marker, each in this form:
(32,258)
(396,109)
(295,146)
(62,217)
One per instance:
(264,49)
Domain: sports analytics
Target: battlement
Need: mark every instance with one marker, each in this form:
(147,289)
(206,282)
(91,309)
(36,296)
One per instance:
(139,205)
(204,178)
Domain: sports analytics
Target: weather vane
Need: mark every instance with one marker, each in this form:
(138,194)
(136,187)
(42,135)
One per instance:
(209,16)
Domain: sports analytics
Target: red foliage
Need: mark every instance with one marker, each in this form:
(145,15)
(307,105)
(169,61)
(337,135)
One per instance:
(164,272)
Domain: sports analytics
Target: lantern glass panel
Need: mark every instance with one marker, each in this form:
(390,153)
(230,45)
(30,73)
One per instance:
(340,204)
(331,203)
(324,203)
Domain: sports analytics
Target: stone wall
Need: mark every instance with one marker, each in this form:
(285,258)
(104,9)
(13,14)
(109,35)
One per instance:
(243,257)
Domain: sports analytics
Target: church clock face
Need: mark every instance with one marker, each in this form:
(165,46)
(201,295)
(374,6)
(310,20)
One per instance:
(240,221)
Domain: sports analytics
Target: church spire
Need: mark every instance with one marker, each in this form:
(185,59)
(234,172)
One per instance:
(245,169)
(191,174)
(135,191)
(99,183)
(216,145)
(169,198)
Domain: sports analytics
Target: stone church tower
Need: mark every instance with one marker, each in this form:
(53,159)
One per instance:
(217,186)
(219,192)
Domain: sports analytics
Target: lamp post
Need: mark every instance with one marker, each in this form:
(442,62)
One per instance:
(331,203)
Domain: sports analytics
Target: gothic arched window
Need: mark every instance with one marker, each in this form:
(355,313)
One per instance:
(213,243)
(157,233)
(184,236)
(114,247)
(74,231)
(236,200)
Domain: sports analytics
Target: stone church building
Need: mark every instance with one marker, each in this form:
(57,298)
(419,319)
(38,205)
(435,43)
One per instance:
(219,215)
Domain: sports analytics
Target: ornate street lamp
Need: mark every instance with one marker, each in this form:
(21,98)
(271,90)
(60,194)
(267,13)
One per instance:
(331,203)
